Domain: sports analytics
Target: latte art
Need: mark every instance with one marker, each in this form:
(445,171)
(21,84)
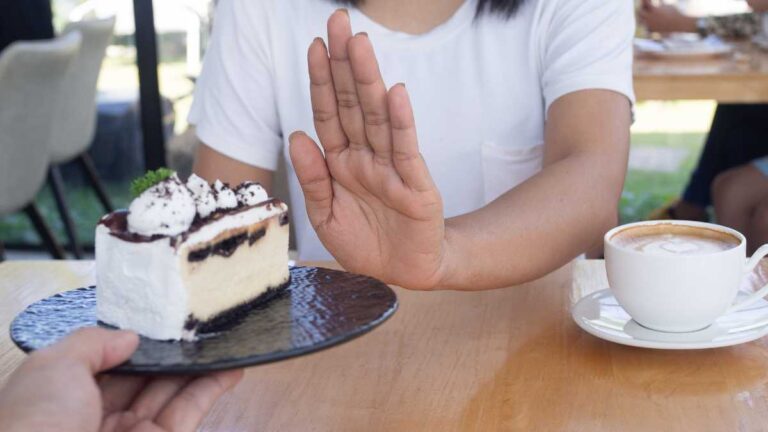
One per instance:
(668,239)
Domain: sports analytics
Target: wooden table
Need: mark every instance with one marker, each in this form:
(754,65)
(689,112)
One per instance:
(741,78)
(508,359)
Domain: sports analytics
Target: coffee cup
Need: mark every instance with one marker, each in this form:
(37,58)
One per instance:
(678,276)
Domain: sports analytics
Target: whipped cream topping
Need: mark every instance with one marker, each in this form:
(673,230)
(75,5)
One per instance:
(225,197)
(250,193)
(166,208)
(205,200)
(169,208)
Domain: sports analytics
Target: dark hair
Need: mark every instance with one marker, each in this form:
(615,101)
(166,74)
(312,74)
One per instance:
(505,8)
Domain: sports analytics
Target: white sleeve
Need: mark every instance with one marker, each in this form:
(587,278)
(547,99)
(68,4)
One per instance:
(586,44)
(235,107)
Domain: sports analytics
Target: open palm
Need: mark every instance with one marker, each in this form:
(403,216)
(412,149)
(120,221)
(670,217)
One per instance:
(370,198)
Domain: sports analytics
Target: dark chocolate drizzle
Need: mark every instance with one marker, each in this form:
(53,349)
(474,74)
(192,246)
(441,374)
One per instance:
(253,238)
(200,254)
(117,222)
(227,247)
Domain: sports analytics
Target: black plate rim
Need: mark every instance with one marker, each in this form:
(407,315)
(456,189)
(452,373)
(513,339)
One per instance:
(239,363)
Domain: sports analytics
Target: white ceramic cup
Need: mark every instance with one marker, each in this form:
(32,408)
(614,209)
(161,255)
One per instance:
(679,293)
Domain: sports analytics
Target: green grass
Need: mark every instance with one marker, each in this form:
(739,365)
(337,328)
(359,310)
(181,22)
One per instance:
(647,190)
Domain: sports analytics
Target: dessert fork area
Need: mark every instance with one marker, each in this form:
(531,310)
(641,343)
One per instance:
(509,359)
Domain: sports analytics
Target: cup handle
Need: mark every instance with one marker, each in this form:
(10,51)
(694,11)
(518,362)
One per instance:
(751,264)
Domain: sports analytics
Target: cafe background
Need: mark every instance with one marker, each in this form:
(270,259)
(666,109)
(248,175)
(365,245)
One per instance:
(667,136)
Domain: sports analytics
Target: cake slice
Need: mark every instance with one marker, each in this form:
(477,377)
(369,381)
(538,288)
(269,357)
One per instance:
(189,258)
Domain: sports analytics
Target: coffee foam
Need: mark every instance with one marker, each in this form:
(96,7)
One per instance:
(673,239)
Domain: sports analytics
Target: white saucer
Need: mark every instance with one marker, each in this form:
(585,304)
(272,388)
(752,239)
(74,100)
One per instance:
(600,315)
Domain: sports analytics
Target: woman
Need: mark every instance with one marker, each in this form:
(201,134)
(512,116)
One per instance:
(522,110)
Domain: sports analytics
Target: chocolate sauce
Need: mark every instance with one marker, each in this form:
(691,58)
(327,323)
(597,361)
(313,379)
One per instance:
(253,238)
(227,247)
(200,254)
(117,223)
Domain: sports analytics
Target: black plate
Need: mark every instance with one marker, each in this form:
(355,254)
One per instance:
(319,309)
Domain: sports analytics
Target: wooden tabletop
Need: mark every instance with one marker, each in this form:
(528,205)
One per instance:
(741,77)
(509,359)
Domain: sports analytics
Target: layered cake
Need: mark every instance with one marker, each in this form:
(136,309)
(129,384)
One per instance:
(189,257)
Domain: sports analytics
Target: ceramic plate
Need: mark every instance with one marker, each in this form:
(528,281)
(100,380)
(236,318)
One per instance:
(684,48)
(319,309)
(600,315)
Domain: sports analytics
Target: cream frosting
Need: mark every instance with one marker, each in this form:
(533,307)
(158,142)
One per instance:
(166,208)
(205,200)
(250,193)
(225,197)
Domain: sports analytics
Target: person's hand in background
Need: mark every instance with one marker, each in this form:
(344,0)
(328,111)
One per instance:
(59,389)
(759,6)
(666,18)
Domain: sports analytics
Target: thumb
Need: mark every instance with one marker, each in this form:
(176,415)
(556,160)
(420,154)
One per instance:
(314,177)
(97,349)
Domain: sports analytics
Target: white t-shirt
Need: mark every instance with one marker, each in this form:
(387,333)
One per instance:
(480,88)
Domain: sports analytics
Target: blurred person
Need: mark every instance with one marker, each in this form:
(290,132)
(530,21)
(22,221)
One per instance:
(737,136)
(25,20)
(737,131)
(60,388)
(740,198)
(502,160)
(669,19)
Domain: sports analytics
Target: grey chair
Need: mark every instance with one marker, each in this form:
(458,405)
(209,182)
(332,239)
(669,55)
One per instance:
(30,84)
(75,122)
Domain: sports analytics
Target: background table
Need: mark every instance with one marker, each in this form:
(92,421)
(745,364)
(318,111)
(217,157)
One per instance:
(741,78)
(508,359)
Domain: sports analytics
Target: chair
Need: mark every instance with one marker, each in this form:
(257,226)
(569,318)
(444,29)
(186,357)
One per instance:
(30,83)
(75,121)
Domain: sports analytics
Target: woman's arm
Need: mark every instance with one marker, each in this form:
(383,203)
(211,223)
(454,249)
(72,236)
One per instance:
(212,165)
(557,214)
(372,201)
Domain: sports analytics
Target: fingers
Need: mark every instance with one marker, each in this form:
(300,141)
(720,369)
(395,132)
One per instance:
(314,178)
(117,392)
(156,395)
(323,95)
(372,94)
(350,115)
(192,403)
(405,147)
(96,348)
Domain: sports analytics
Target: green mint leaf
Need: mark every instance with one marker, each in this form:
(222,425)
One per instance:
(151,178)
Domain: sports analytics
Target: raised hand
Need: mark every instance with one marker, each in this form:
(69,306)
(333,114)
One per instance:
(57,389)
(370,198)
